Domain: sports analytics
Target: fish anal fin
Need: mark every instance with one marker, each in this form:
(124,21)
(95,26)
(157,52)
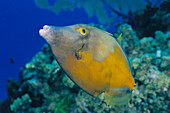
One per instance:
(118,96)
(107,98)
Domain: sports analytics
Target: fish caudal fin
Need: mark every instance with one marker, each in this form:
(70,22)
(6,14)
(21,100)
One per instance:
(118,96)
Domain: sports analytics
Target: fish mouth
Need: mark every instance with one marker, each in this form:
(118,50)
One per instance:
(48,33)
(45,31)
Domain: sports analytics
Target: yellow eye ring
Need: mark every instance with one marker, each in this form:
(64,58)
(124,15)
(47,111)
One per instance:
(83,31)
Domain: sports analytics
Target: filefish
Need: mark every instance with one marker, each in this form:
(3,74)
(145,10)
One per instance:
(93,59)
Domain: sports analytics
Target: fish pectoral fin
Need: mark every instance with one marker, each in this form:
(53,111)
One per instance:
(118,96)
(83,56)
(78,55)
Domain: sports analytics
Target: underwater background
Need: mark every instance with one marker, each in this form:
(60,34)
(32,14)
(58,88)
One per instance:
(31,80)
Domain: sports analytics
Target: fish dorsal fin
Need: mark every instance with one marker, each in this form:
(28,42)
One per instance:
(119,38)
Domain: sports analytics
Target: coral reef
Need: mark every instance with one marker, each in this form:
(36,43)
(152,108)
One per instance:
(40,88)
(43,86)
(21,103)
(152,18)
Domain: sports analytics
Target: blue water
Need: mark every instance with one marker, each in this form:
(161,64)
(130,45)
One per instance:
(20,21)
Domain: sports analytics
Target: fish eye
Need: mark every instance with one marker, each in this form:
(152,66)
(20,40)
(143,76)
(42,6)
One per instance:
(83,31)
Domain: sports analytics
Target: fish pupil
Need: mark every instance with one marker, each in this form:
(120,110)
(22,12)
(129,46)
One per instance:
(83,30)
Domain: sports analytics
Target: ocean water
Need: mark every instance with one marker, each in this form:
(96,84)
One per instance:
(145,39)
(20,23)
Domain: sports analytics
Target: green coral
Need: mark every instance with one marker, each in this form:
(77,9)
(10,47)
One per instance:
(165,65)
(63,106)
(67,82)
(22,103)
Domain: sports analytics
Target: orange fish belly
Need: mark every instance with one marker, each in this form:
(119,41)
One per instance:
(97,77)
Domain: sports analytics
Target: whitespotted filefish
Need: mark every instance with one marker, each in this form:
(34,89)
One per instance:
(93,59)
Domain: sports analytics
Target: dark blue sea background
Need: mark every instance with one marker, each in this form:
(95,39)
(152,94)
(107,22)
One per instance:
(20,21)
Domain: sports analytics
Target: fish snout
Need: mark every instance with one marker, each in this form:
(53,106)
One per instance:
(45,31)
(48,33)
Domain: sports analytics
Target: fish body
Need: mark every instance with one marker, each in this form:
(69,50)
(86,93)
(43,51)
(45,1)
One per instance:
(93,59)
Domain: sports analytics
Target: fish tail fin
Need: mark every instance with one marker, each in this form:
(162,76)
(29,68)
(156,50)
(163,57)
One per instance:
(118,96)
